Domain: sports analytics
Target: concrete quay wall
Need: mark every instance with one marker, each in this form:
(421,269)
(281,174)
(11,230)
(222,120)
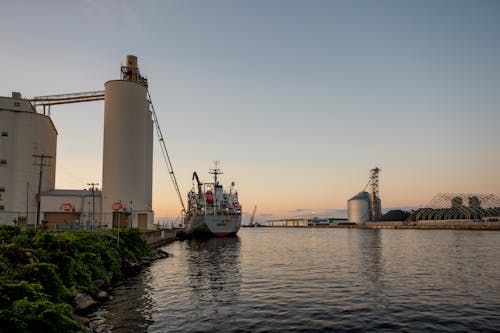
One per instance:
(160,237)
(428,224)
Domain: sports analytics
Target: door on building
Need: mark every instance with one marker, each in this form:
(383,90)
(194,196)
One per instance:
(64,219)
(121,218)
(143,221)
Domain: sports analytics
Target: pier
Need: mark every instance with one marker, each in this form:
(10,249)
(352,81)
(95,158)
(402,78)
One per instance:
(160,237)
(425,224)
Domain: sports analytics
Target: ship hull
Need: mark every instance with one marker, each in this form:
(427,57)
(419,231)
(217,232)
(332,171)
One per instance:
(213,225)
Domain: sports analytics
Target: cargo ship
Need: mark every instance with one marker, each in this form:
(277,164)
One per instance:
(212,210)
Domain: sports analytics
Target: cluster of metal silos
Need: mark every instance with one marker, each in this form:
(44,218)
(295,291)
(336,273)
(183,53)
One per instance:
(366,206)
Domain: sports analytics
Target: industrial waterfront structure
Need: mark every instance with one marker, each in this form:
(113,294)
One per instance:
(358,208)
(28,145)
(71,208)
(459,206)
(366,206)
(127,175)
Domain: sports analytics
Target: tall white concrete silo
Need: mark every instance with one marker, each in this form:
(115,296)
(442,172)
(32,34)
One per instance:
(127,151)
(24,133)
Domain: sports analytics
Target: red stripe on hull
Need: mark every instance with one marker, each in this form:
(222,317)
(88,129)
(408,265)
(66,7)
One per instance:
(222,234)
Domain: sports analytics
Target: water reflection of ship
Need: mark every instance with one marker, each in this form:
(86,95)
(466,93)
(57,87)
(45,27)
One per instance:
(214,268)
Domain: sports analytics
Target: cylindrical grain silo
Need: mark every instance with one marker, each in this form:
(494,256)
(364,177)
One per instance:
(358,208)
(27,139)
(127,151)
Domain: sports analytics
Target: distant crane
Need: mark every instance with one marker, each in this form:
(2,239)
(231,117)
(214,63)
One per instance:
(250,224)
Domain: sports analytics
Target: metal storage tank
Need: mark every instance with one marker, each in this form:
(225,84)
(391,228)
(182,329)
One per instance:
(358,208)
(24,133)
(127,152)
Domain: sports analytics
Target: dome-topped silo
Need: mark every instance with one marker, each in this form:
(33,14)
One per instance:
(358,208)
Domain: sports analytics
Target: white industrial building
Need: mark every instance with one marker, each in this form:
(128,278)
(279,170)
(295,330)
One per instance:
(28,146)
(26,136)
(67,208)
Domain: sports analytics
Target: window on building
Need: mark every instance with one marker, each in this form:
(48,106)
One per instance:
(2,189)
(2,208)
(5,134)
(3,162)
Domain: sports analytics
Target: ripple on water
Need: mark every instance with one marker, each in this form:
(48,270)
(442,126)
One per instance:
(316,280)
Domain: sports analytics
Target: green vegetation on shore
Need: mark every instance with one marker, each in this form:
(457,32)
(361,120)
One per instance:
(41,272)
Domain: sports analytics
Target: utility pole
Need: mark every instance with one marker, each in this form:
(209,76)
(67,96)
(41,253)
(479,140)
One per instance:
(27,201)
(42,164)
(93,202)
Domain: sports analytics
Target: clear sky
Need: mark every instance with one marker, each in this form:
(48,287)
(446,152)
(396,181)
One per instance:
(296,99)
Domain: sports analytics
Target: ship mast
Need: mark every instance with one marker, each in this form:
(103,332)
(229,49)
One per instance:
(215,171)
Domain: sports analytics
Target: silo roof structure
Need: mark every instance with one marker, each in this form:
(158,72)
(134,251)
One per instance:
(453,206)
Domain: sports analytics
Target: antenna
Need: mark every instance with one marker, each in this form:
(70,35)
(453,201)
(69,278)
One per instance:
(215,171)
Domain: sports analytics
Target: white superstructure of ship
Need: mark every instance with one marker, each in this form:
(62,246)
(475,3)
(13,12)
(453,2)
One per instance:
(212,210)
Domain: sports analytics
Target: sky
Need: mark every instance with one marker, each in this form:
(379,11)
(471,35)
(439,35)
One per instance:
(296,99)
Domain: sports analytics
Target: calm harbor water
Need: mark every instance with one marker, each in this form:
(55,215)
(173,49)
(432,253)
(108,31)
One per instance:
(316,280)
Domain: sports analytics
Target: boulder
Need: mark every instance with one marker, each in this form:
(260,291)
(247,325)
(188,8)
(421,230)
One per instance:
(83,302)
(102,296)
(100,283)
(82,320)
(160,254)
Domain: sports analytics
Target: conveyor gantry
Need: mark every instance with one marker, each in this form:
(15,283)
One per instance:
(47,101)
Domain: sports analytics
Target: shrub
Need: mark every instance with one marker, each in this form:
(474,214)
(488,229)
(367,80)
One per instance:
(41,272)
